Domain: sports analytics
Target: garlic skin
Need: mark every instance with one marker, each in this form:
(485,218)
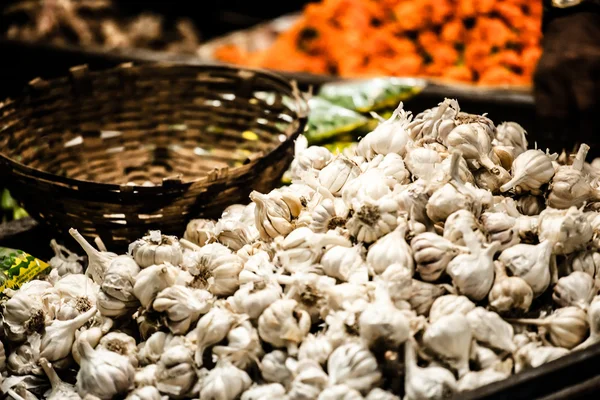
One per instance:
(509,293)
(354,366)
(59,336)
(225,382)
(512,134)
(345,264)
(335,175)
(98,261)
(430,383)
(392,166)
(380,394)
(390,249)
(340,392)
(459,221)
(25,312)
(382,321)
(200,231)
(570,186)
(64,261)
(235,234)
(60,390)
(489,328)
(103,374)
(432,254)
(530,170)
(149,352)
(371,185)
(593,313)
(211,329)
(435,123)
(390,136)
(214,268)
(531,263)
(156,249)
(120,343)
(275,213)
(283,324)
(92,336)
(530,205)
(533,355)
(243,346)
(566,327)
(477,379)
(309,381)
(329,214)
(253,298)
(182,306)
(145,393)
(587,261)
(450,337)
(501,228)
(25,358)
(567,230)
(315,347)
(423,294)
(576,289)
(373,220)
(264,392)
(450,304)
(307,159)
(175,373)
(473,144)
(119,278)
(421,161)
(152,280)
(273,368)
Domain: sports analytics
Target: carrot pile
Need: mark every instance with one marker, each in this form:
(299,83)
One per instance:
(490,42)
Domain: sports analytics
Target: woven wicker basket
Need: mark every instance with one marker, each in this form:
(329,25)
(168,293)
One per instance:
(118,152)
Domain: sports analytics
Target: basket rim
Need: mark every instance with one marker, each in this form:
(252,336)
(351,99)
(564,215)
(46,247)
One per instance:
(299,100)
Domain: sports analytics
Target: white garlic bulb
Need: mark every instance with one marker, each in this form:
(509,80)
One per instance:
(432,255)
(501,228)
(59,336)
(421,161)
(373,220)
(175,373)
(235,234)
(531,263)
(119,278)
(530,170)
(146,376)
(103,373)
(392,165)
(145,393)
(200,231)
(225,382)
(149,352)
(423,294)
(567,230)
(450,304)
(315,347)
(380,394)
(509,293)
(275,213)
(273,367)
(566,327)
(435,123)
(253,298)
(243,346)
(91,335)
(309,381)
(182,306)
(307,159)
(329,214)
(450,337)
(152,280)
(60,390)
(370,186)
(156,249)
(576,289)
(489,328)
(389,136)
(459,221)
(340,392)
(283,324)
(98,261)
(353,365)
(430,383)
(64,261)
(390,249)
(25,359)
(477,379)
(533,355)
(211,329)
(345,264)
(473,144)
(24,312)
(120,343)
(593,313)
(398,280)
(587,261)
(264,392)
(512,134)
(337,173)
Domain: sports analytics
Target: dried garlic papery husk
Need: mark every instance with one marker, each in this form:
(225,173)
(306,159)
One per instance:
(257,268)
(476,379)
(432,254)
(566,327)
(284,324)
(103,373)
(273,368)
(501,228)
(346,264)
(450,337)
(309,381)
(212,328)
(392,165)
(430,383)
(443,173)
(59,336)
(243,346)
(268,391)
(175,374)
(60,390)
(152,280)
(253,298)
(509,293)
(389,136)
(308,159)
(382,322)
(235,234)
(24,359)
(473,144)
(530,205)
(182,306)
(576,289)
(315,347)
(567,230)
(225,382)
(390,249)
(421,161)
(119,278)
(513,135)
(155,249)
(340,392)
(450,304)
(533,355)
(329,214)
(530,170)
(24,312)
(64,261)
(587,261)
(489,328)
(145,393)
(373,220)
(98,261)
(593,313)
(275,213)
(336,174)
(353,365)
(120,343)
(200,231)
(570,186)
(530,262)
(214,268)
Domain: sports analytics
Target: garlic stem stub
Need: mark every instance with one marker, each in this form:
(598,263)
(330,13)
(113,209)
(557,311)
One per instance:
(439,253)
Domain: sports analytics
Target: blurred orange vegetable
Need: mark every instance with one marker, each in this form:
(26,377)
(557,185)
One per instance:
(491,42)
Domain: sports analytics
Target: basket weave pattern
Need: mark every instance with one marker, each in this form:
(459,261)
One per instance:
(115,153)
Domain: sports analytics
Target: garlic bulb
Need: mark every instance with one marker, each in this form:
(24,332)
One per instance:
(24,312)
(98,261)
(380,394)
(119,278)
(59,336)
(421,161)
(423,294)
(489,328)
(309,381)
(149,352)
(566,327)
(152,280)
(354,366)
(533,355)
(473,144)
(432,255)
(182,306)
(225,382)
(253,298)
(450,304)
(214,268)
(370,186)
(390,136)
(340,392)
(60,389)
(264,392)
(315,347)
(509,293)
(211,329)
(120,343)
(477,379)
(373,220)
(329,214)
(530,205)
(345,264)
(390,249)
(392,165)
(283,324)
(91,335)
(576,289)
(243,346)
(382,321)
(175,373)
(450,337)
(430,383)
(145,393)
(459,221)
(273,368)
(200,231)
(64,261)
(512,134)
(156,249)
(435,123)
(338,173)
(593,313)
(25,358)
(530,170)
(531,263)
(307,158)
(501,228)
(275,213)
(103,373)
(567,230)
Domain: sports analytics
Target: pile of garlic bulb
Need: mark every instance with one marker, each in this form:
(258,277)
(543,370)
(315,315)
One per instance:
(436,256)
